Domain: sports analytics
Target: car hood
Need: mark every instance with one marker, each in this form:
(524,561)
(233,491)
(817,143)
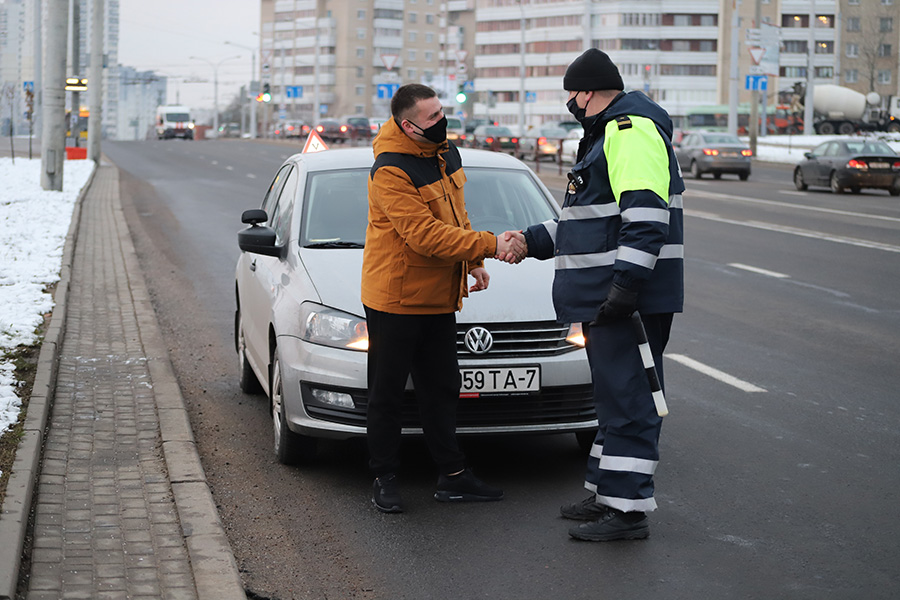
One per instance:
(515,293)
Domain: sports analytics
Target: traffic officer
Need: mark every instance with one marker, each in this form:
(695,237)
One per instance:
(618,247)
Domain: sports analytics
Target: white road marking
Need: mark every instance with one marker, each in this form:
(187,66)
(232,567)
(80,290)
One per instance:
(214,162)
(758,270)
(715,373)
(229,168)
(251,175)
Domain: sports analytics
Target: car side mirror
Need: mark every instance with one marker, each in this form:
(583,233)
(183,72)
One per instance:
(808,154)
(257,239)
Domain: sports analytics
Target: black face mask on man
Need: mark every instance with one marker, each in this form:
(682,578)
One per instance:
(435,134)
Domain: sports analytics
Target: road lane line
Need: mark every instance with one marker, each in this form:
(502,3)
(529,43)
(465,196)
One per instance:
(832,211)
(759,271)
(818,235)
(251,175)
(715,373)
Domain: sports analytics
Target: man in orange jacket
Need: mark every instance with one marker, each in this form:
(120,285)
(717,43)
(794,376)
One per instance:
(420,250)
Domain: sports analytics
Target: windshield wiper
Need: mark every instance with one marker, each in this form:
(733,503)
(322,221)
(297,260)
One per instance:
(334,244)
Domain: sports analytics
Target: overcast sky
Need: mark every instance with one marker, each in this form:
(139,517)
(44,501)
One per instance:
(163,34)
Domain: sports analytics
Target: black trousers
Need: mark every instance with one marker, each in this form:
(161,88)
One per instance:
(423,346)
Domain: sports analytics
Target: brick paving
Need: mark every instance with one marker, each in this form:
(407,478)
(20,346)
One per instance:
(106,523)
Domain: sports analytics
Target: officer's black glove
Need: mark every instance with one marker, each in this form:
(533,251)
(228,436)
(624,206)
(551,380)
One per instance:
(620,303)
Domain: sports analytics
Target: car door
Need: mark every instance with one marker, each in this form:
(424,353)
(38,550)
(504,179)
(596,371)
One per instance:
(812,170)
(256,293)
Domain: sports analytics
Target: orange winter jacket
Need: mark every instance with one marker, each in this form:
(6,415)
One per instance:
(420,245)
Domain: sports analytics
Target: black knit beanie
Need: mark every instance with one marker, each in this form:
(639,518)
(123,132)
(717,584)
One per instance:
(593,70)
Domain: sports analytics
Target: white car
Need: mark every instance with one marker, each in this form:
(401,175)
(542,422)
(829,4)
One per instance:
(570,145)
(300,329)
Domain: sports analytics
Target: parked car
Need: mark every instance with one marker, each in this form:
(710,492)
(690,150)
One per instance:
(541,142)
(456,130)
(300,328)
(850,165)
(570,145)
(331,131)
(494,137)
(716,153)
(358,128)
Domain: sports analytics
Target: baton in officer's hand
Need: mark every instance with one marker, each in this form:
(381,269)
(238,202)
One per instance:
(649,366)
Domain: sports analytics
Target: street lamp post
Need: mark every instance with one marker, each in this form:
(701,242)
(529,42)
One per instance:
(215,67)
(250,89)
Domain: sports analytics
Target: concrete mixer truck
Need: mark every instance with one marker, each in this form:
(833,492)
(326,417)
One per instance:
(841,110)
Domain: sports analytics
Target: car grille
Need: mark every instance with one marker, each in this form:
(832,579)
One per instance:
(518,340)
(552,406)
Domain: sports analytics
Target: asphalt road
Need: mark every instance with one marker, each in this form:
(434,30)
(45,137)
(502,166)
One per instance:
(778,472)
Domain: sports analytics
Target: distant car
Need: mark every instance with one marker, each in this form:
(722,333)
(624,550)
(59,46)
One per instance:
(471,124)
(296,129)
(456,130)
(850,165)
(375,124)
(716,153)
(357,128)
(494,137)
(300,328)
(230,130)
(570,145)
(541,142)
(331,131)
(569,125)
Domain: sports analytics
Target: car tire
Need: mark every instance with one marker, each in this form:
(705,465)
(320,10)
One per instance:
(893,127)
(695,170)
(585,439)
(799,183)
(894,190)
(744,175)
(290,448)
(835,185)
(247,379)
(855,189)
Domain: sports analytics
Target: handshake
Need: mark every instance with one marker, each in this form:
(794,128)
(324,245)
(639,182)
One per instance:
(511,247)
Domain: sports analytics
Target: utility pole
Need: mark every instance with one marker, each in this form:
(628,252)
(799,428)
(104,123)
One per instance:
(75,120)
(36,120)
(752,126)
(53,135)
(733,83)
(810,69)
(522,68)
(95,82)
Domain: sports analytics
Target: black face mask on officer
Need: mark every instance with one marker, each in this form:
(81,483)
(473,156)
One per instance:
(576,110)
(435,134)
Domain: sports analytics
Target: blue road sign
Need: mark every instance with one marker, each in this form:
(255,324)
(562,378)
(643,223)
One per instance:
(469,86)
(757,82)
(28,86)
(530,96)
(386,90)
(294,91)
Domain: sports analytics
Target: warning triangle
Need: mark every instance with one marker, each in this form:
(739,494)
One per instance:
(314,143)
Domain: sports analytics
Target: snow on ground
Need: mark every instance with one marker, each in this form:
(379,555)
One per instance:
(33,227)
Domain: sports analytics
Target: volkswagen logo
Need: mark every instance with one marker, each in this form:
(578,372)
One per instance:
(479,340)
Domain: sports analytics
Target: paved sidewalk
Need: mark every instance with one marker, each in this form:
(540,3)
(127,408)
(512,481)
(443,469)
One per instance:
(122,508)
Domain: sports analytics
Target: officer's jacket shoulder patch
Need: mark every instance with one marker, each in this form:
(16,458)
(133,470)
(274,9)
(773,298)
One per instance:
(624,122)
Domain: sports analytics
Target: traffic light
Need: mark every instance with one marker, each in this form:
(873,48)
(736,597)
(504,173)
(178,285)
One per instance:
(461,95)
(266,93)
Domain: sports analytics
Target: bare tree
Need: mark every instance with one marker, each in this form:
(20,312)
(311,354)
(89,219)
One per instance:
(875,49)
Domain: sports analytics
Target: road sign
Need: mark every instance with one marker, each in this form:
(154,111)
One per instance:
(294,91)
(530,97)
(28,86)
(386,90)
(469,86)
(314,143)
(757,82)
(389,60)
(756,54)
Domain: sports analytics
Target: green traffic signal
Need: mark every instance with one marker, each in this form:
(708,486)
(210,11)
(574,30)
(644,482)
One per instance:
(461,97)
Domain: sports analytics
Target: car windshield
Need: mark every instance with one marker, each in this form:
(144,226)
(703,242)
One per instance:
(454,123)
(177,117)
(869,148)
(336,206)
(358,121)
(554,133)
(497,131)
(721,139)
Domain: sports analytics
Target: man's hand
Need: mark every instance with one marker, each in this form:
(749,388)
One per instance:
(620,303)
(482,279)
(511,247)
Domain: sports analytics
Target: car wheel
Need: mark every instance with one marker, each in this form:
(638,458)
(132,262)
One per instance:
(695,170)
(247,379)
(290,448)
(586,439)
(798,180)
(855,189)
(835,184)
(894,190)
(717,175)
(744,175)
(825,128)
(893,127)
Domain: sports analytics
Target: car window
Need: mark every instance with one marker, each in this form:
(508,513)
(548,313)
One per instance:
(834,149)
(554,133)
(498,200)
(281,220)
(820,150)
(722,139)
(335,207)
(454,123)
(878,148)
(274,189)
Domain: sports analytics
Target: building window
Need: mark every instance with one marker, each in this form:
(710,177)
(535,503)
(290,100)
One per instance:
(360,34)
(851,76)
(361,15)
(852,50)
(853,24)
(707,46)
(853,2)
(412,17)
(824,47)
(681,45)
(429,18)
(412,36)
(885,2)
(360,72)
(709,20)
(824,72)
(411,74)
(429,38)
(825,22)
(360,53)
(884,50)
(411,55)
(429,56)
(360,90)
(795,47)
(884,77)
(886,24)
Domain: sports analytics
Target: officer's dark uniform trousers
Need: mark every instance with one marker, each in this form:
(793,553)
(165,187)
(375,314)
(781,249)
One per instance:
(625,452)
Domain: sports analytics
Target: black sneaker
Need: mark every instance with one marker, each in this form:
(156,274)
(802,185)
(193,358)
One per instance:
(613,525)
(586,510)
(465,487)
(386,495)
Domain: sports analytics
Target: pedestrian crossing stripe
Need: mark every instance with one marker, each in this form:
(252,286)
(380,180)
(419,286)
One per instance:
(314,143)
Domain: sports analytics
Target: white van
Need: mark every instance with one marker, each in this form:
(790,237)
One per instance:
(174,120)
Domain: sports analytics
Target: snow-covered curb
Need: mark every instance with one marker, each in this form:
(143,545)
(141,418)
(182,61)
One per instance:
(33,228)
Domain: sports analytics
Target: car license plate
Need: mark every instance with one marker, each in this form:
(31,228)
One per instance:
(504,139)
(729,154)
(502,380)
(879,165)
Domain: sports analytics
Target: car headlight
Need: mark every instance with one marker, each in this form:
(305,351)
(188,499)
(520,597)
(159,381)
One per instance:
(575,335)
(334,328)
